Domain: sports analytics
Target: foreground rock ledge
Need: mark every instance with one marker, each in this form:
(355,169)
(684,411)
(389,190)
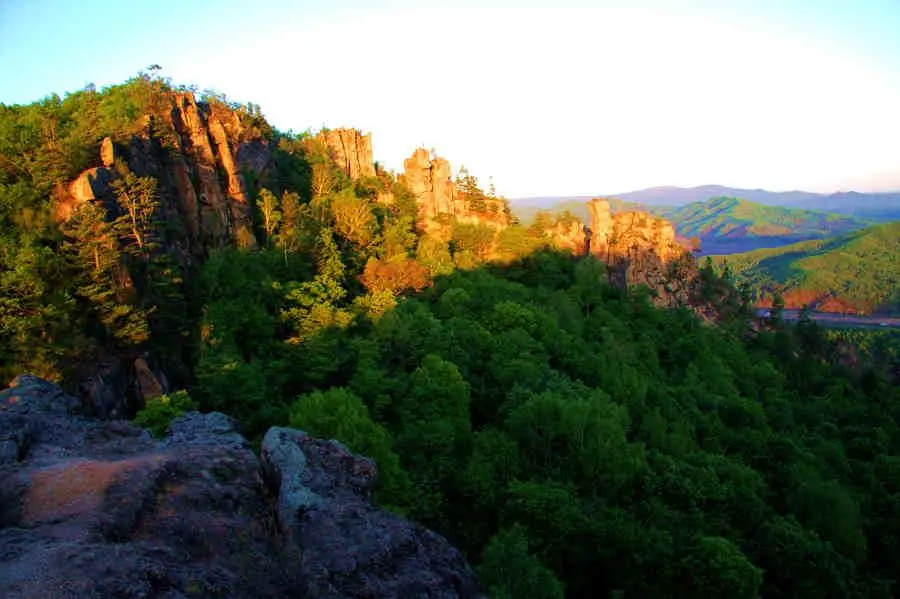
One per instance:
(92,508)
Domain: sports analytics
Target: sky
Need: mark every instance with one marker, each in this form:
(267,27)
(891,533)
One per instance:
(543,98)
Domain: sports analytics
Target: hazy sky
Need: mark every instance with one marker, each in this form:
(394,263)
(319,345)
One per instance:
(548,98)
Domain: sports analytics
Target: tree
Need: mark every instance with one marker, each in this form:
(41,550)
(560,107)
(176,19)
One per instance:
(270,211)
(510,571)
(353,219)
(138,226)
(434,433)
(339,414)
(92,246)
(717,568)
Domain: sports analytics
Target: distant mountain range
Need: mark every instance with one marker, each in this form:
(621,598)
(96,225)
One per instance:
(881,206)
(857,271)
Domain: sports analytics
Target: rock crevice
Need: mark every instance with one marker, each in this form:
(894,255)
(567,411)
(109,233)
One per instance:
(351,150)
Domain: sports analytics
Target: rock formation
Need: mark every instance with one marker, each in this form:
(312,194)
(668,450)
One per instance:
(638,248)
(93,185)
(217,207)
(431,181)
(351,151)
(626,234)
(569,235)
(107,152)
(92,508)
(196,152)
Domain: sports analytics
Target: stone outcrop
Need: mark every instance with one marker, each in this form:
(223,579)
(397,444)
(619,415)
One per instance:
(637,248)
(92,185)
(351,150)
(119,386)
(431,181)
(92,508)
(107,152)
(626,234)
(196,152)
(568,235)
(324,492)
(218,206)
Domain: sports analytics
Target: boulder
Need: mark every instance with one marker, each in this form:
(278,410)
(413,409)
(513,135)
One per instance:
(93,508)
(148,384)
(324,492)
(106,390)
(93,184)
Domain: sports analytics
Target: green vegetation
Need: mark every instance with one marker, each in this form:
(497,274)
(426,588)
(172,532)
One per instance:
(730,217)
(548,424)
(858,271)
(570,436)
(160,411)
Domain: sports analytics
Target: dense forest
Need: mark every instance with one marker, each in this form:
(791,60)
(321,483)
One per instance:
(571,436)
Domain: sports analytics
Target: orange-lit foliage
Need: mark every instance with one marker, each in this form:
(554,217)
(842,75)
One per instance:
(837,304)
(395,276)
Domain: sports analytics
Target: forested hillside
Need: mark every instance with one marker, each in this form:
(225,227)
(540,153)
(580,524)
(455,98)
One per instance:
(606,421)
(727,225)
(856,272)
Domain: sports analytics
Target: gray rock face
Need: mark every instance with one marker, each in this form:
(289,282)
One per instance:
(93,508)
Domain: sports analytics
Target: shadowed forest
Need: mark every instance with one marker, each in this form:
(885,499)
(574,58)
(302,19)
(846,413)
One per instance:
(573,436)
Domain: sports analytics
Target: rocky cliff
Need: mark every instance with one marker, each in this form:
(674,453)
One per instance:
(197,152)
(625,235)
(637,247)
(351,150)
(430,178)
(92,508)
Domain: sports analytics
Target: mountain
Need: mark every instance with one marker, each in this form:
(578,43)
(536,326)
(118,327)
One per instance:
(881,206)
(678,196)
(854,272)
(726,225)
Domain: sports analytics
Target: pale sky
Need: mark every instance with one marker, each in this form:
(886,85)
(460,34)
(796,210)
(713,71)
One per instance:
(548,98)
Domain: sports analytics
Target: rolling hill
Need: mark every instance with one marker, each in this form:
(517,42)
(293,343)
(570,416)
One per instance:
(854,272)
(727,225)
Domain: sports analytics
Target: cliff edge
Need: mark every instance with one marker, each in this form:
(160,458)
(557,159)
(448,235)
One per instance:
(92,508)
